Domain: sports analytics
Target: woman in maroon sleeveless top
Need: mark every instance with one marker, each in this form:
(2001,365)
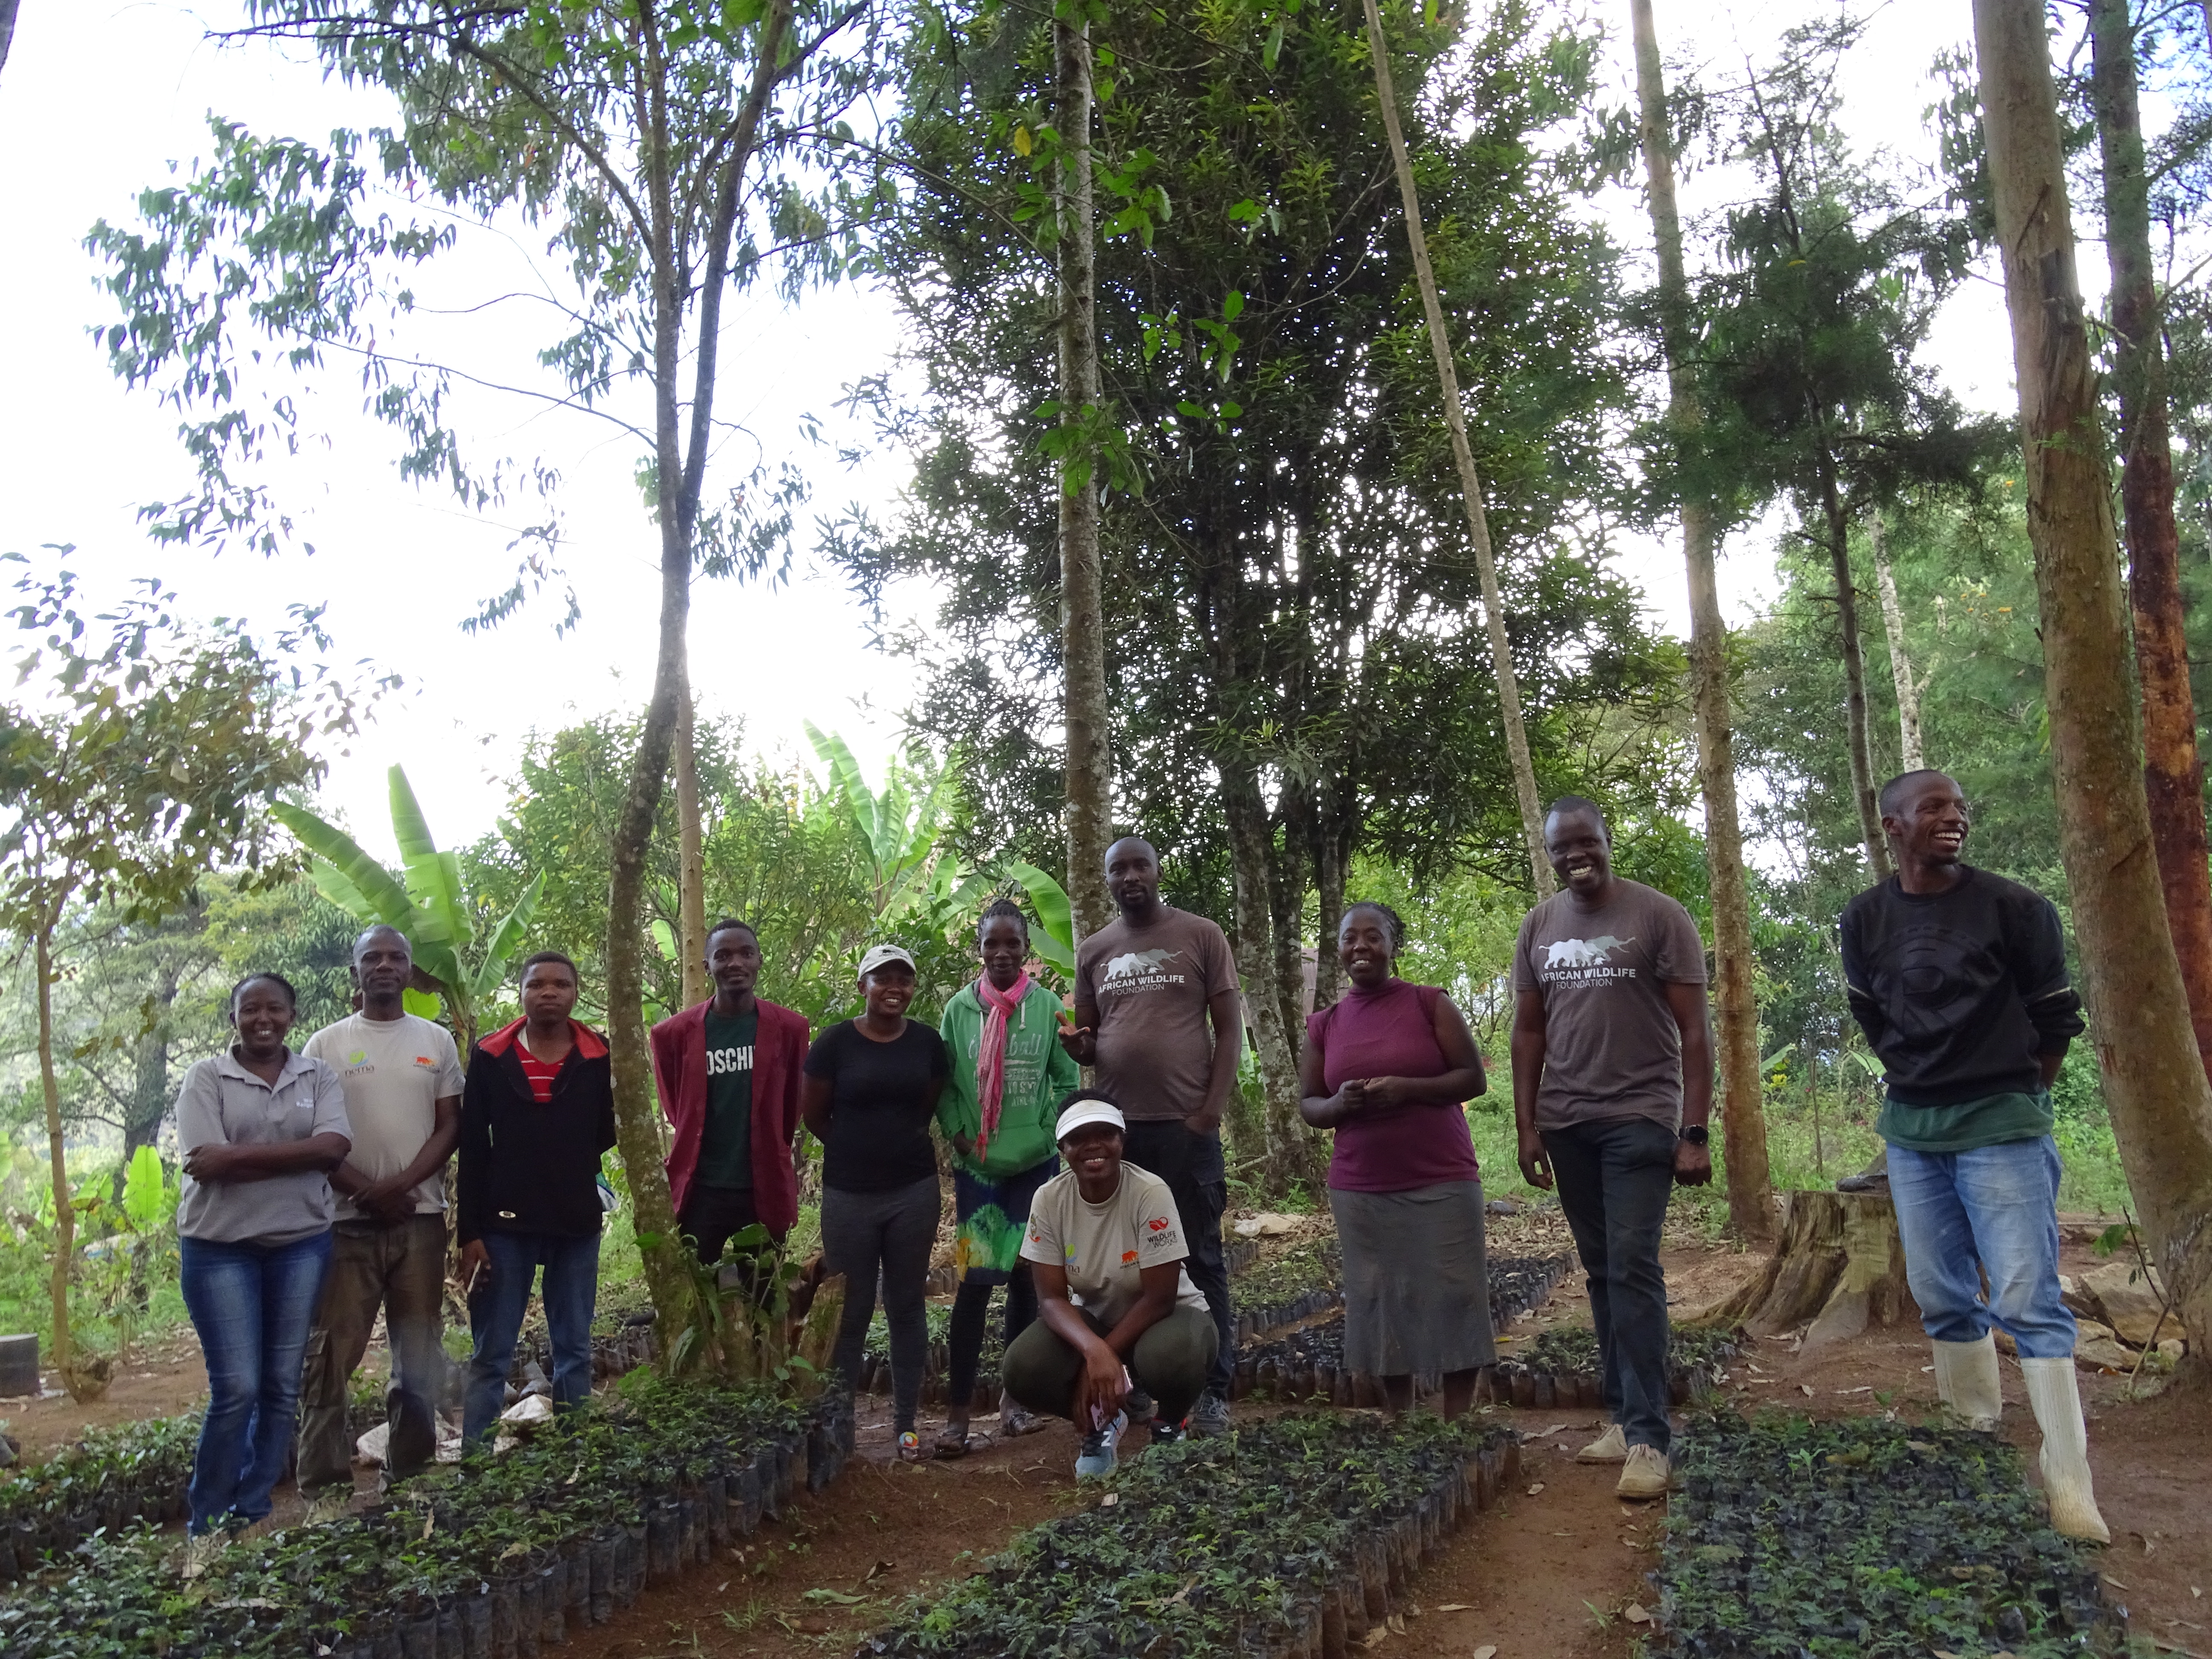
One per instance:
(1389,1068)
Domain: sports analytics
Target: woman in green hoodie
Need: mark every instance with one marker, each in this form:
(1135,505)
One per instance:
(1009,1072)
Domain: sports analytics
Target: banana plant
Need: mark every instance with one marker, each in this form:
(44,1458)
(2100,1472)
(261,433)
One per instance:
(897,828)
(1054,936)
(424,901)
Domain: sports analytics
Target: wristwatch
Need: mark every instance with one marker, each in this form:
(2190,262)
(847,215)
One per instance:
(1695,1134)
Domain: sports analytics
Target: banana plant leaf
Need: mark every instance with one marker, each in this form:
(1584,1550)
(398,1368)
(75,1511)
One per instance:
(347,876)
(507,938)
(432,877)
(1055,939)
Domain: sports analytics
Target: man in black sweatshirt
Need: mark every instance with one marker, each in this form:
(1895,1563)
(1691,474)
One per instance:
(538,1112)
(1959,979)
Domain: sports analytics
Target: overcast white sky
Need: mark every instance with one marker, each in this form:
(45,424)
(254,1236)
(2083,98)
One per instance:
(97,100)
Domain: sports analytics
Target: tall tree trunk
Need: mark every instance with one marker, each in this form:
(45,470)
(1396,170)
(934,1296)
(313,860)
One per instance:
(64,1264)
(2173,778)
(1286,887)
(1288,1143)
(1901,660)
(1477,525)
(1743,1118)
(1837,524)
(668,1278)
(1082,614)
(150,1073)
(1330,839)
(690,854)
(2155,1079)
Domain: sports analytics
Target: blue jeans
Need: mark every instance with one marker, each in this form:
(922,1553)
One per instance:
(572,1287)
(252,1305)
(1995,1207)
(1614,1178)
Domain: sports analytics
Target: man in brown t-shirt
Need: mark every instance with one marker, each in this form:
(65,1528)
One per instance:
(1158,1015)
(1610,1050)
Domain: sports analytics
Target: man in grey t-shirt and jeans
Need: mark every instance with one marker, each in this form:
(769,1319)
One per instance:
(1611,1050)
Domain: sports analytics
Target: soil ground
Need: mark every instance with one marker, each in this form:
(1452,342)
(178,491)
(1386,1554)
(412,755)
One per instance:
(1557,1570)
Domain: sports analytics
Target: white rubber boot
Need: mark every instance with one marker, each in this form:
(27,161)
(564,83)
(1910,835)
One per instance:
(2052,1390)
(1966,1382)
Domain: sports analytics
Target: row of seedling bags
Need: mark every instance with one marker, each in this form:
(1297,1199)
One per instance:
(496,1558)
(1293,1538)
(1866,1539)
(108,1479)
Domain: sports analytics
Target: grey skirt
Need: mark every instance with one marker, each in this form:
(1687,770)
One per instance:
(1416,1284)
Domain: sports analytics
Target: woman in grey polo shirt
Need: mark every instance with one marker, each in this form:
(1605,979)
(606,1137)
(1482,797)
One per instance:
(260,1129)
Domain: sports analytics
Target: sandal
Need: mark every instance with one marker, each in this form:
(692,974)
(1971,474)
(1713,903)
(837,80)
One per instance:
(953,1442)
(909,1448)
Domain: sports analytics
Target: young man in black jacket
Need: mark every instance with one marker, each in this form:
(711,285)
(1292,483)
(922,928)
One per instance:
(1959,979)
(537,1114)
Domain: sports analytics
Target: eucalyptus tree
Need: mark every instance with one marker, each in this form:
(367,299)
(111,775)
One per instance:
(1295,650)
(149,758)
(1809,324)
(667,150)
(2154,1078)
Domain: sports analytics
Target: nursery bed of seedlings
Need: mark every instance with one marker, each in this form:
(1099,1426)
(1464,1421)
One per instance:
(492,1558)
(1561,1368)
(104,1482)
(1309,1363)
(1868,1538)
(1293,1537)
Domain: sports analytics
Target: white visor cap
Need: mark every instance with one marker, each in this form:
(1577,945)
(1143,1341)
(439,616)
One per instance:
(879,954)
(1089,1111)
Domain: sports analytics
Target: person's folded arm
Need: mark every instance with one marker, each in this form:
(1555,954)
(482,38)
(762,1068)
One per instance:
(1100,1379)
(224,1164)
(1156,1300)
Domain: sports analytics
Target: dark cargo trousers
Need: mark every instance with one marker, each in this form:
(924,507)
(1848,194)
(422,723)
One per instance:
(1191,1165)
(401,1270)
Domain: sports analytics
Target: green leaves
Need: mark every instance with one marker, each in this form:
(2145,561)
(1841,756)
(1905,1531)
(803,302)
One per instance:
(149,1197)
(1054,938)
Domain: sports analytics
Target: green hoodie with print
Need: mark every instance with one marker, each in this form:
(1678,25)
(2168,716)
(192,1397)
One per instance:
(1038,1073)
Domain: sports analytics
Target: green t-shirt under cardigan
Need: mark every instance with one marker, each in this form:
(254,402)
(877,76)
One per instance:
(1992,1120)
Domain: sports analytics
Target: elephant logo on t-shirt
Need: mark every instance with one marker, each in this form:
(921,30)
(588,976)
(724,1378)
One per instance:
(1583,952)
(1138,962)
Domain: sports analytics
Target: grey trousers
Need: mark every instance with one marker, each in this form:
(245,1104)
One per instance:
(893,1233)
(401,1270)
(1169,1363)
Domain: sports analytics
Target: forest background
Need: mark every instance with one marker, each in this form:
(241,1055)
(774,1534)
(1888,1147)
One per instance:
(1300,692)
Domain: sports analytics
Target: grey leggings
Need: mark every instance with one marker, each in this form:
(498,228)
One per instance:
(893,1232)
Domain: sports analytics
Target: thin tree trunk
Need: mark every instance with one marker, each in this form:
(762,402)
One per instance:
(7,28)
(1743,1118)
(1286,887)
(2154,1077)
(149,1073)
(42,946)
(690,856)
(1082,617)
(1901,660)
(2173,777)
(1328,892)
(1288,1141)
(1478,526)
(1838,525)
(668,1279)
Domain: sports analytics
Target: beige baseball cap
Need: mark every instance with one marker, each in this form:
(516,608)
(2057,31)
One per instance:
(879,954)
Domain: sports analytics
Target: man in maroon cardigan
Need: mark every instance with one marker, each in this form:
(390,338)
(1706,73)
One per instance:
(728,1075)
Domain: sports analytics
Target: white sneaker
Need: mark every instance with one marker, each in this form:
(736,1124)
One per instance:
(1645,1474)
(201,1548)
(1611,1446)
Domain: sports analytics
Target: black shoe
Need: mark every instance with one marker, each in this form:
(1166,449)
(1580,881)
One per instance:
(1874,1178)
(1140,1406)
(1165,1433)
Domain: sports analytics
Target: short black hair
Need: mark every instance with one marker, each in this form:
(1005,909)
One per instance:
(1893,793)
(561,957)
(368,933)
(1005,907)
(278,980)
(1578,804)
(1393,924)
(730,924)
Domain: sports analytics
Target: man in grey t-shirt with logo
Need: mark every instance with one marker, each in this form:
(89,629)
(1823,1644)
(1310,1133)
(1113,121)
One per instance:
(1611,1053)
(401,1079)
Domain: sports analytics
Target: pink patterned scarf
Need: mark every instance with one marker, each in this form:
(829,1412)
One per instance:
(991,1054)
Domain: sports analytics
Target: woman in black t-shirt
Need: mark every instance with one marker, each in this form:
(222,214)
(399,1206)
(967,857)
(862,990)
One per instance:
(869,1092)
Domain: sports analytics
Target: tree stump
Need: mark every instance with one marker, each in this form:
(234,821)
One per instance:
(1839,1268)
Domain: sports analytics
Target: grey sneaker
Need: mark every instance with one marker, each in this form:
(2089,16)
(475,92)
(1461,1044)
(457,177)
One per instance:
(1097,1457)
(1140,1406)
(1209,1417)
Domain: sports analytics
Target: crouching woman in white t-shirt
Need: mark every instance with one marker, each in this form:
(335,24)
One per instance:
(1116,1309)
